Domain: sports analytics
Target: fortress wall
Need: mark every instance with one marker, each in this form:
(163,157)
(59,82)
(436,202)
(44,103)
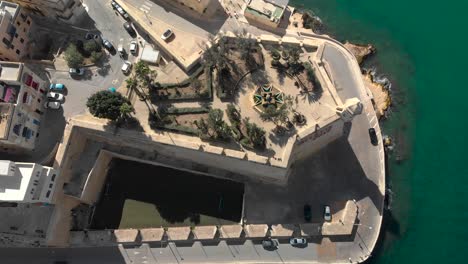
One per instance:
(308,144)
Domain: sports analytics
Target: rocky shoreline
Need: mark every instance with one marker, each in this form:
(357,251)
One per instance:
(361,52)
(380,92)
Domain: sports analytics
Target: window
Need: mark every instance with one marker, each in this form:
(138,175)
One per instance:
(16,35)
(27,79)
(36,122)
(12,47)
(53,177)
(23,16)
(16,129)
(22,40)
(28,22)
(18,23)
(17,51)
(6,42)
(50,185)
(34,85)
(48,194)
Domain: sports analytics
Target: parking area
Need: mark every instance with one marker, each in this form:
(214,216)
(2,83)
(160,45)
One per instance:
(28,220)
(316,181)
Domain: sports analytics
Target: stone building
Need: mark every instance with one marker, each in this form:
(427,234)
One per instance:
(267,13)
(15,25)
(67,11)
(22,95)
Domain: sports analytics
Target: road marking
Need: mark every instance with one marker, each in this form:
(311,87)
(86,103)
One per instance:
(115,81)
(148,3)
(145,7)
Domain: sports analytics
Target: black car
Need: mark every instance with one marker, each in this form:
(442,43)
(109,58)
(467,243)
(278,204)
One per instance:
(373,136)
(129,29)
(307,213)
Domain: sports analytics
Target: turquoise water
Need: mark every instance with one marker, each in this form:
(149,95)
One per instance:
(421,48)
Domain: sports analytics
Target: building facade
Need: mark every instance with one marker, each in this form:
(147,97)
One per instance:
(64,10)
(265,12)
(26,182)
(15,24)
(22,94)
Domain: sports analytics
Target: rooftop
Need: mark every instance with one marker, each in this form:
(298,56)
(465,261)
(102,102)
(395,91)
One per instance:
(10,71)
(6,111)
(9,7)
(269,9)
(13,188)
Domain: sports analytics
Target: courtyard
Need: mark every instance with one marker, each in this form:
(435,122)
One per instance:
(139,195)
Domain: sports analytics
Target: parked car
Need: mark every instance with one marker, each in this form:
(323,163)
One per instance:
(307,213)
(121,51)
(167,34)
(130,29)
(133,47)
(122,12)
(107,44)
(126,67)
(373,136)
(76,71)
(55,96)
(52,105)
(327,214)
(270,244)
(114,5)
(297,241)
(56,86)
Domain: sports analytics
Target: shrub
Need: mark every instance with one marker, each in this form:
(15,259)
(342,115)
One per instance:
(96,56)
(91,46)
(73,57)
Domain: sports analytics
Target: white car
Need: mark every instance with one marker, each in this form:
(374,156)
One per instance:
(52,105)
(122,12)
(327,214)
(167,34)
(55,96)
(133,47)
(297,241)
(126,67)
(76,71)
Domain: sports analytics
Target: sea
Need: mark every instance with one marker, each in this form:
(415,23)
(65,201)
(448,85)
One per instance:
(421,51)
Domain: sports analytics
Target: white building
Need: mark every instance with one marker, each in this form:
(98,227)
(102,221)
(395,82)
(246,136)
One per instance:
(26,182)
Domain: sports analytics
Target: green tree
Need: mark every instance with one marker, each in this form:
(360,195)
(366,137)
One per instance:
(255,134)
(233,115)
(144,73)
(106,104)
(73,56)
(91,46)
(277,115)
(96,56)
(216,53)
(125,110)
(216,124)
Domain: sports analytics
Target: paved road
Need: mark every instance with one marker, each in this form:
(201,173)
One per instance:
(369,156)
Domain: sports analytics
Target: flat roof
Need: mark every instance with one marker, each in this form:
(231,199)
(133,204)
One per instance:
(9,7)
(267,9)
(13,188)
(10,71)
(6,111)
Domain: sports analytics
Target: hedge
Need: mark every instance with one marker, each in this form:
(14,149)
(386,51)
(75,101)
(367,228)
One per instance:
(187,110)
(180,128)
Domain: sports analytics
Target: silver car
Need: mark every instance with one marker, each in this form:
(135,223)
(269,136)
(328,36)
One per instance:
(327,214)
(297,241)
(52,105)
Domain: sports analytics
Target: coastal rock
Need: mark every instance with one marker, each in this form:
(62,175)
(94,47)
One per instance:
(360,51)
(381,95)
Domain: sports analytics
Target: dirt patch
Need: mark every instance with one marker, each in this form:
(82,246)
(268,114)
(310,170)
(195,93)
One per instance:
(188,119)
